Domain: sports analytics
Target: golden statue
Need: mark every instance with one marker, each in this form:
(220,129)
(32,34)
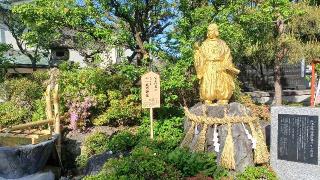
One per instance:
(215,71)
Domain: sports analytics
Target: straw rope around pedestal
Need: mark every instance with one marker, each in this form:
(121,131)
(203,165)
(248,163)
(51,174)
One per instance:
(261,154)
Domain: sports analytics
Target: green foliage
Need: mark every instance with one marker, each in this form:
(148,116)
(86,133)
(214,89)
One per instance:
(191,164)
(4,61)
(306,27)
(95,143)
(257,173)
(149,162)
(11,114)
(168,132)
(81,83)
(23,91)
(40,77)
(24,99)
(90,80)
(39,112)
(158,158)
(144,163)
(122,110)
(82,160)
(123,141)
(53,20)
(95,25)
(178,83)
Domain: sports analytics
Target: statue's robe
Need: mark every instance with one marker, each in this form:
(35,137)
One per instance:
(213,63)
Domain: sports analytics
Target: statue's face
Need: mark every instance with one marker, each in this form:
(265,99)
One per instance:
(213,33)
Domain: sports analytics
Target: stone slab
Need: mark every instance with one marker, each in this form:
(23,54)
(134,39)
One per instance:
(294,168)
(37,176)
(290,96)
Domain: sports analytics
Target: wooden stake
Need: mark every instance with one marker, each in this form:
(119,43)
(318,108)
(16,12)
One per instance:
(57,118)
(151,123)
(313,84)
(48,105)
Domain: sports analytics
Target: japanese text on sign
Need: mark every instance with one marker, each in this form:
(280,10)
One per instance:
(150,83)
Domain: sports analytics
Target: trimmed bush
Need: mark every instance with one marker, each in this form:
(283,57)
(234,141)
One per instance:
(11,114)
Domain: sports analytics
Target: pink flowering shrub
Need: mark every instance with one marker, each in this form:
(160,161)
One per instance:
(79,110)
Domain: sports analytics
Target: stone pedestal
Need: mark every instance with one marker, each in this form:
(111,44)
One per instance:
(242,145)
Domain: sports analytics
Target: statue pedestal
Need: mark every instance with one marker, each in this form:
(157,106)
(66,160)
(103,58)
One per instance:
(243,152)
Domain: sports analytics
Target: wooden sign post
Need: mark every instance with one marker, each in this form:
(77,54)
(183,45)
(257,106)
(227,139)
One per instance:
(150,94)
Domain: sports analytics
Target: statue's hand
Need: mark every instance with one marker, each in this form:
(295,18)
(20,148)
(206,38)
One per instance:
(233,70)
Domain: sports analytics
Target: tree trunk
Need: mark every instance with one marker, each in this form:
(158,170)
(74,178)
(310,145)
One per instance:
(277,84)
(139,58)
(34,64)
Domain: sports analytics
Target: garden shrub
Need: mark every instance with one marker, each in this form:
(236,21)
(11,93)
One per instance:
(178,84)
(95,143)
(23,91)
(39,110)
(80,83)
(168,131)
(191,164)
(122,141)
(143,163)
(11,114)
(24,99)
(79,110)
(260,172)
(117,100)
(40,77)
(121,110)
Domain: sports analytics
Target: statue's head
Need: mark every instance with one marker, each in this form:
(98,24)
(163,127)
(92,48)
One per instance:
(213,31)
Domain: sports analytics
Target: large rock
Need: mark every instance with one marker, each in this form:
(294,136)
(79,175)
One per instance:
(242,145)
(38,176)
(16,162)
(96,162)
(73,142)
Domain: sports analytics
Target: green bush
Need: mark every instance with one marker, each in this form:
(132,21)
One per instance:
(11,114)
(167,131)
(24,102)
(40,77)
(191,164)
(39,110)
(178,84)
(81,83)
(257,173)
(123,141)
(121,110)
(23,91)
(95,143)
(144,163)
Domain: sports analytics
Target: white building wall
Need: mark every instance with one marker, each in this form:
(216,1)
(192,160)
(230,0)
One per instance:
(9,39)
